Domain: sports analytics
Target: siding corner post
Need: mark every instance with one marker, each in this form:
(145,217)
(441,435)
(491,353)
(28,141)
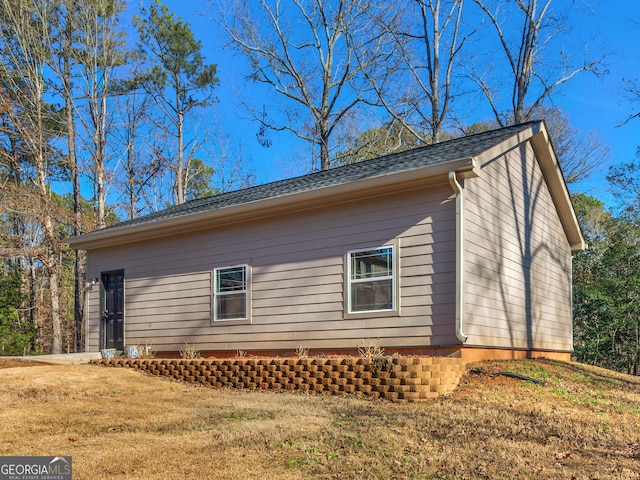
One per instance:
(459,192)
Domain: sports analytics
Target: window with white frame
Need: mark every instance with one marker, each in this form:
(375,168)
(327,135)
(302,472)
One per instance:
(230,297)
(371,280)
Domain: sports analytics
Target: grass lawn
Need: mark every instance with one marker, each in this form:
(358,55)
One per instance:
(584,423)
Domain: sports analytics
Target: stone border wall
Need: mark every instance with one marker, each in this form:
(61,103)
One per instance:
(405,379)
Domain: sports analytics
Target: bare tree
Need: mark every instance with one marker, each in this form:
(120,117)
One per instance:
(525,30)
(153,188)
(25,52)
(388,138)
(85,48)
(230,165)
(134,172)
(428,42)
(578,154)
(62,64)
(99,53)
(19,238)
(314,55)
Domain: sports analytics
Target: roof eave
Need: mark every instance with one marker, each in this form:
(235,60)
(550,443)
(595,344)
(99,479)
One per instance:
(261,208)
(552,172)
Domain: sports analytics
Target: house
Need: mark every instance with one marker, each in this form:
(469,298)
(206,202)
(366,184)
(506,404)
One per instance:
(461,248)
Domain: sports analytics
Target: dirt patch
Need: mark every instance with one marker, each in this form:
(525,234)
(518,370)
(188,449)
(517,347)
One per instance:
(19,362)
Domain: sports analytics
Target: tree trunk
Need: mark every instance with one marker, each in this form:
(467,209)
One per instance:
(101,148)
(51,242)
(131,176)
(99,188)
(325,161)
(78,290)
(54,292)
(325,134)
(180,190)
(36,345)
(434,80)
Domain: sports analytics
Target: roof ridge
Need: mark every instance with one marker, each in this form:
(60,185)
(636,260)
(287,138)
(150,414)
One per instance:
(452,149)
(376,159)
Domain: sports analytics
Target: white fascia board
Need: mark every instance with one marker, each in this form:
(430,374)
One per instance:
(552,172)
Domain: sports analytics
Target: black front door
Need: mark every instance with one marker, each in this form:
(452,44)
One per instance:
(113,315)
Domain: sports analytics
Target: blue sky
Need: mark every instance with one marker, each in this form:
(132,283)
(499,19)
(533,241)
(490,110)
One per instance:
(602,104)
(597,104)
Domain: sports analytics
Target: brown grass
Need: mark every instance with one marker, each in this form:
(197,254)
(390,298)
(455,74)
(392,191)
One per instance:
(117,423)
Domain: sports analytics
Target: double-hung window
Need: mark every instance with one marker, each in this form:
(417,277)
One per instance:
(230,297)
(372,280)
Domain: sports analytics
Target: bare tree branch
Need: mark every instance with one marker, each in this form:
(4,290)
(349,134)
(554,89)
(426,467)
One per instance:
(427,53)
(306,53)
(532,81)
(633,91)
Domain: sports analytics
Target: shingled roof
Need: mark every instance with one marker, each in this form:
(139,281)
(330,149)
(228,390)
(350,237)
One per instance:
(439,153)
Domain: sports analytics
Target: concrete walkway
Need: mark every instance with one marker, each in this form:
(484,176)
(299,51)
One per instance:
(83,357)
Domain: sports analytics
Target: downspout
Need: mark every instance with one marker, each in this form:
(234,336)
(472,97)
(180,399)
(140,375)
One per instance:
(571,300)
(459,191)
(85,315)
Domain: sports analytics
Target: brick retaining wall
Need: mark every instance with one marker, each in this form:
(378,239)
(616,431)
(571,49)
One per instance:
(407,379)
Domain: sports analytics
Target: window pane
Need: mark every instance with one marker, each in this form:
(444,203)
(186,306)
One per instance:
(231,306)
(231,279)
(231,293)
(372,264)
(373,295)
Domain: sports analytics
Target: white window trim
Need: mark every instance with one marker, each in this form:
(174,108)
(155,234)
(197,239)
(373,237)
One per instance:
(246,291)
(394,282)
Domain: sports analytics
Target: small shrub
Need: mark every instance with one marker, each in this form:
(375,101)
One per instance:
(189,352)
(146,350)
(370,350)
(302,352)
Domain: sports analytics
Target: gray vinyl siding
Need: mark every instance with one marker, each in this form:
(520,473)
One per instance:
(517,258)
(297,280)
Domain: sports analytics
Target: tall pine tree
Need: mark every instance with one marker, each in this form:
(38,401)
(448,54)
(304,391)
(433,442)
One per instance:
(177,77)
